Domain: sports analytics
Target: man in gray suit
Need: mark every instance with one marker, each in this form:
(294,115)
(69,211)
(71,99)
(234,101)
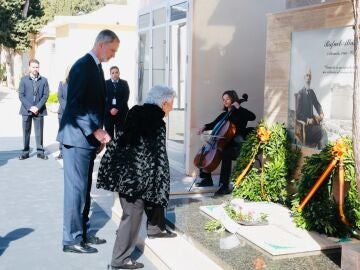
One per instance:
(33,94)
(81,134)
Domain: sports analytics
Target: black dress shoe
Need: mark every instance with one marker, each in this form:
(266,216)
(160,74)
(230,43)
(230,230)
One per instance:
(92,239)
(79,248)
(205,183)
(128,265)
(42,156)
(60,156)
(23,156)
(163,234)
(222,191)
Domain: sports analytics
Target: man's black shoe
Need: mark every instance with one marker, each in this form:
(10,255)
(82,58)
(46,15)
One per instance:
(205,183)
(128,265)
(42,156)
(23,156)
(79,248)
(60,156)
(92,239)
(222,191)
(163,234)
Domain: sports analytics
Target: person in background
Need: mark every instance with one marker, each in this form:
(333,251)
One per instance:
(33,94)
(136,166)
(81,135)
(62,96)
(239,116)
(117,96)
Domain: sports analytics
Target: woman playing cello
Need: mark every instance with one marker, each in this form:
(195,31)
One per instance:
(238,116)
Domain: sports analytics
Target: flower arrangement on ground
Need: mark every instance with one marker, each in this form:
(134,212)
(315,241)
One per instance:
(243,214)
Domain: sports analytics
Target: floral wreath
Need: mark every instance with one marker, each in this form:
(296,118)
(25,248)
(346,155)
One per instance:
(271,147)
(314,206)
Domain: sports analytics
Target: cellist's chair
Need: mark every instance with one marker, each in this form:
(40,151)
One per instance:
(299,124)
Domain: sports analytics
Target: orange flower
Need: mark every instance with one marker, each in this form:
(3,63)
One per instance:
(263,134)
(339,149)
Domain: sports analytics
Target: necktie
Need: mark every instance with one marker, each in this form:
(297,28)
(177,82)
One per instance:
(102,76)
(101,70)
(34,88)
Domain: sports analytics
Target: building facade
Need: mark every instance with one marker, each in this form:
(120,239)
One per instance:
(201,49)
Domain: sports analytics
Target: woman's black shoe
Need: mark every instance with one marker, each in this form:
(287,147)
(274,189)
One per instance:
(129,265)
(163,234)
(205,183)
(222,191)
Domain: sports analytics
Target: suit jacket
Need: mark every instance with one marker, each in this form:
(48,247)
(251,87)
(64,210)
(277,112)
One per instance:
(306,103)
(33,95)
(62,96)
(85,107)
(120,91)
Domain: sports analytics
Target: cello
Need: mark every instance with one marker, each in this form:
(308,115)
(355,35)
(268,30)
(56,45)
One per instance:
(210,154)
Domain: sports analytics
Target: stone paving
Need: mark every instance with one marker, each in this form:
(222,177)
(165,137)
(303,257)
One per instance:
(31,202)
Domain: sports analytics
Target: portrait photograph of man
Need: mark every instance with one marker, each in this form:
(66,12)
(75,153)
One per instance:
(321,77)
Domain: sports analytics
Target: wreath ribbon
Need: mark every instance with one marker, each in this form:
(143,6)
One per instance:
(338,151)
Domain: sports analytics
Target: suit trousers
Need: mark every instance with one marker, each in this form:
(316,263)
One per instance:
(38,127)
(59,120)
(128,231)
(113,124)
(78,168)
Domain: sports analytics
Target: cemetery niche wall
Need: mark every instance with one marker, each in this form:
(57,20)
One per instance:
(309,81)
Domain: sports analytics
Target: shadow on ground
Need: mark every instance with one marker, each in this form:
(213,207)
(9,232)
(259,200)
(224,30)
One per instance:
(5,156)
(334,255)
(98,218)
(13,236)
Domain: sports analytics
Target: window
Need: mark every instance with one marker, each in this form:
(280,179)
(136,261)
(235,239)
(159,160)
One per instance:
(144,20)
(159,16)
(178,12)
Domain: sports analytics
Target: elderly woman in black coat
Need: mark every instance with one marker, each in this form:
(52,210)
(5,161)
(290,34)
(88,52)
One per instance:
(136,166)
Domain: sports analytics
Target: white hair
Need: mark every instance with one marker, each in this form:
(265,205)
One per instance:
(158,94)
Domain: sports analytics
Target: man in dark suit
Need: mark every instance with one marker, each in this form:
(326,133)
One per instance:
(315,134)
(116,108)
(81,134)
(33,94)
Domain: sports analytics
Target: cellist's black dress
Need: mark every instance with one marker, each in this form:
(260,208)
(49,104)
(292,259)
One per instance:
(239,117)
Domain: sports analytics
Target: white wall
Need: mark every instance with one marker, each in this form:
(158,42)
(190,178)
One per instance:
(45,54)
(228,52)
(21,67)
